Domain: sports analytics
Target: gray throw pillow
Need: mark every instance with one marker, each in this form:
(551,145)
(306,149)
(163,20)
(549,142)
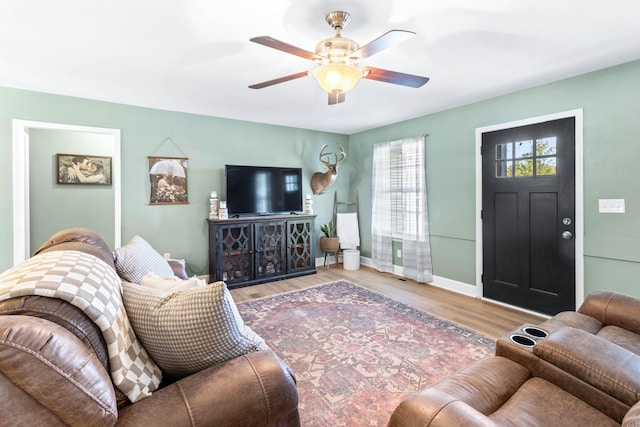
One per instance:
(137,258)
(189,330)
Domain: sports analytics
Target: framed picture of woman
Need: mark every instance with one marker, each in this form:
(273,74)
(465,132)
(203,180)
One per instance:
(168,177)
(83,169)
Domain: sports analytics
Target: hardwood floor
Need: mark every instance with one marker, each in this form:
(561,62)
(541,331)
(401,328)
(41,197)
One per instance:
(488,318)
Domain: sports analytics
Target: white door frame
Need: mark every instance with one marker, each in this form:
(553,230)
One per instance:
(21,213)
(579,193)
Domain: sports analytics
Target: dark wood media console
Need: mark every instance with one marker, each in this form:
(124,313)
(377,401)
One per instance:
(250,250)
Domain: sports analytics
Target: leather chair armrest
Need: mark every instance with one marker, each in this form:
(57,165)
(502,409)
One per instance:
(594,360)
(434,408)
(465,398)
(613,309)
(256,389)
(49,377)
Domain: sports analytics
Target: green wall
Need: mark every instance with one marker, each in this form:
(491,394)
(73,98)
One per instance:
(610,99)
(55,206)
(208,142)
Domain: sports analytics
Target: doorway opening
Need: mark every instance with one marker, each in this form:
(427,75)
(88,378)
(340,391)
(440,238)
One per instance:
(21,172)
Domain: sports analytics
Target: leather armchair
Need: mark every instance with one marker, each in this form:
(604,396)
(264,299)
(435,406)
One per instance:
(496,391)
(584,369)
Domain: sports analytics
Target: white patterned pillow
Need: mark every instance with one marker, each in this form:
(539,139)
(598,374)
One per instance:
(171,284)
(189,330)
(137,258)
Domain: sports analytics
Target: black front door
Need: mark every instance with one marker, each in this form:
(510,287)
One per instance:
(528,212)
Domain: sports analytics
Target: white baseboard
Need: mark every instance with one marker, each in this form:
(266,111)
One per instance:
(443,283)
(455,286)
(438,281)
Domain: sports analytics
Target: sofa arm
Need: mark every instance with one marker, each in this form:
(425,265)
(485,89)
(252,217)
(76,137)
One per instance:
(466,398)
(256,389)
(594,360)
(613,309)
(49,377)
(433,408)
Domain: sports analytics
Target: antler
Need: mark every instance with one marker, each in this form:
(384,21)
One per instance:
(326,164)
(342,153)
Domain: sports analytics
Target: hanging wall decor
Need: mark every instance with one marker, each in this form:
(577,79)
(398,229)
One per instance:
(83,169)
(321,181)
(168,176)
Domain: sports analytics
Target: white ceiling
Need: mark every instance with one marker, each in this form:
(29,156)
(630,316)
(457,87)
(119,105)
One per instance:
(195,56)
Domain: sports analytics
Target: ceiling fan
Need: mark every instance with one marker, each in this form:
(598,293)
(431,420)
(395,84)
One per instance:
(337,58)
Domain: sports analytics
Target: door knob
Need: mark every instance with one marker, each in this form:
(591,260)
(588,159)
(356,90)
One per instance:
(567,235)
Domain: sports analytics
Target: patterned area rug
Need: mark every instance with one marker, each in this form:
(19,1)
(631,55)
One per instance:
(356,353)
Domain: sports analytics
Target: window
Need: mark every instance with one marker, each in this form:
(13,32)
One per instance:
(399,207)
(527,158)
(405,190)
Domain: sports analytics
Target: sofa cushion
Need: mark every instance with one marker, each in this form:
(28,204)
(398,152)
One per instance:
(137,258)
(623,337)
(189,330)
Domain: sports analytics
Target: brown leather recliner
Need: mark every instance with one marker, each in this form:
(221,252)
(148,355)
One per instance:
(579,368)
(54,371)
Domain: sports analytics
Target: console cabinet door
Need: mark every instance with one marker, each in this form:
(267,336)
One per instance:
(301,247)
(269,247)
(234,253)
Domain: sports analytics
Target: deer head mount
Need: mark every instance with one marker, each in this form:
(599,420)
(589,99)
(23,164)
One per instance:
(321,181)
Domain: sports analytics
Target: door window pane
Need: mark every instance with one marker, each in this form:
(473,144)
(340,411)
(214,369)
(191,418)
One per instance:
(546,166)
(504,169)
(546,146)
(504,151)
(524,149)
(524,168)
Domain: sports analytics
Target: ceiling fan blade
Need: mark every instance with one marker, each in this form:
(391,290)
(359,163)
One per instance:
(285,47)
(336,98)
(394,77)
(279,80)
(383,42)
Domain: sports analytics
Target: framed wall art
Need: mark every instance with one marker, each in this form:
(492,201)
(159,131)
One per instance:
(83,169)
(168,177)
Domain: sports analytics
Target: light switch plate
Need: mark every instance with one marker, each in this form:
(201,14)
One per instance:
(611,205)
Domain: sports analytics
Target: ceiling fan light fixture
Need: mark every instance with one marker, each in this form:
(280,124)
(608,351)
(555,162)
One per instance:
(336,78)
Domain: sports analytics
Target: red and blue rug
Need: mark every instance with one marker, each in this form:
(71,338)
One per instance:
(357,353)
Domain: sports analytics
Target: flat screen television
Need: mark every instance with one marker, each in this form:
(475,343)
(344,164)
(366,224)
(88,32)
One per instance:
(263,190)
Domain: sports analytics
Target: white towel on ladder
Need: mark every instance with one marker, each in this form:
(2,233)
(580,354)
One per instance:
(347,230)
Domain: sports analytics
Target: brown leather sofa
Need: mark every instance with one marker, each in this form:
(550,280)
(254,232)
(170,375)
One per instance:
(54,371)
(578,368)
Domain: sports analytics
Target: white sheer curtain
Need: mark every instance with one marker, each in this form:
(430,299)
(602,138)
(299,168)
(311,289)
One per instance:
(381,218)
(399,203)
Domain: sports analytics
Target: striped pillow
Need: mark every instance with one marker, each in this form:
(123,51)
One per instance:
(137,258)
(189,330)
